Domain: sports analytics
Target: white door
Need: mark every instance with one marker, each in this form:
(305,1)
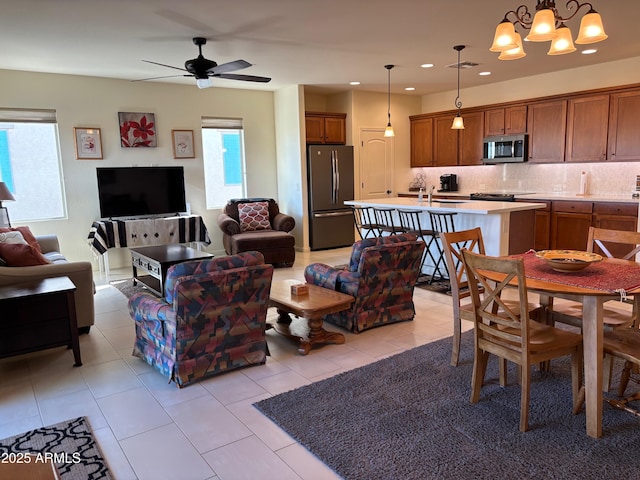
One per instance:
(376,164)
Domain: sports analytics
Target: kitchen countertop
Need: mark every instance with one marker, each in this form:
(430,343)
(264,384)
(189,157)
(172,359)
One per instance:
(476,207)
(623,197)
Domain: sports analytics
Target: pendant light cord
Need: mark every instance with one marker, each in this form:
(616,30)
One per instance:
(389,67)
(458,103)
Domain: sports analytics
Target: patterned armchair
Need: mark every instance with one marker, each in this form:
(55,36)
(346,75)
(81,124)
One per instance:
(212,319)
(381,275)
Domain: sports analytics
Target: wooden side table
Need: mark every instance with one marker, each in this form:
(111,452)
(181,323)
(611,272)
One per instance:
(38,315)
(311,306)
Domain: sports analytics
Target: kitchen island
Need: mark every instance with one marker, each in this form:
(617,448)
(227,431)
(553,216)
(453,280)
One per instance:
(507,227)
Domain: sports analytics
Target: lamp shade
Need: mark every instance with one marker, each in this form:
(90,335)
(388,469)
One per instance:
(388,132)
(504,38)
(591,29)
(543,27)
(458,123)
(513,53)
(563,42)
(5,193)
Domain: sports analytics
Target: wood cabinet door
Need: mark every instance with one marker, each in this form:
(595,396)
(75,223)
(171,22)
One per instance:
(587,122)
(494,122)
(543,230)
(422,142)
(547,124)
(314,127)
(570,230)
(445,144)
(335,130)
(515,119)
(471,139)
(624,125)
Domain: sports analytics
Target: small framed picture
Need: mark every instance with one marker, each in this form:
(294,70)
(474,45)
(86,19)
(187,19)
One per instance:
(182,143)
(88,143)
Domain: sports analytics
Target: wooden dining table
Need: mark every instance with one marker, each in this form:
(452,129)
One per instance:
(552,284)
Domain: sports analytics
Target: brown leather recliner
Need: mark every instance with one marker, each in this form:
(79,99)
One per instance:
(275,243)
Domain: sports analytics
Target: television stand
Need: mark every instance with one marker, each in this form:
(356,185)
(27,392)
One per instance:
(142,232)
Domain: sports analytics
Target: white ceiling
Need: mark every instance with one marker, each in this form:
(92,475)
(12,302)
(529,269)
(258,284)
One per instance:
(325,44)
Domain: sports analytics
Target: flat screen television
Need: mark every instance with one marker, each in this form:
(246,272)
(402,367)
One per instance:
(141,191)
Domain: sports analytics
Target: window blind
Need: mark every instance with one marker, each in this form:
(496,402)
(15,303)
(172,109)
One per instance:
(24,115)
(224,123)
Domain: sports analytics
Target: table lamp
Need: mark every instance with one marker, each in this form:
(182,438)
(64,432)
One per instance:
(5,194)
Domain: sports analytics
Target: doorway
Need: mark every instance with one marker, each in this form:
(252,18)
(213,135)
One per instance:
(376,164)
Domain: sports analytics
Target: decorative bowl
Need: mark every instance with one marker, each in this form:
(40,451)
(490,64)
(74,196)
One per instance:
(568,260)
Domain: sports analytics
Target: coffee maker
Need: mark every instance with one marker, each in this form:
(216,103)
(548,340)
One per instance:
(448,183)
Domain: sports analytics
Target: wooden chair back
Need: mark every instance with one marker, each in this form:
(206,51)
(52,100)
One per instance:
(627,243)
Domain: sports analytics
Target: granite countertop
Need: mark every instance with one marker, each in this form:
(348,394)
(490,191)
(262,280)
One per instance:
(621,197)
(476,207)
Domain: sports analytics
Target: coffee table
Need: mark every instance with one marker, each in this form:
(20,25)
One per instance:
(154,261)
(311,306)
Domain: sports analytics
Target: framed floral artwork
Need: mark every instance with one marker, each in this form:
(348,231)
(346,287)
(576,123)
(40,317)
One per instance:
(137,129)
(182,143)
(88,143)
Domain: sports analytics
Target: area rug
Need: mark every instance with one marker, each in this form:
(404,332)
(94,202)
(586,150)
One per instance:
(439,285)
(409,417)
(127,288)
(70,444)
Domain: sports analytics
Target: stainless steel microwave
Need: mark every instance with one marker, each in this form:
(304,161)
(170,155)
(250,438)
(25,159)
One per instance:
(506,149)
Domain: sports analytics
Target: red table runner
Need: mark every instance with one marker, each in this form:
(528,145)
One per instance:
(606,276)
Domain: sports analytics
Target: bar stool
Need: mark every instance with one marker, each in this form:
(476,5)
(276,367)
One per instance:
(410,223)
(384,221)
(364,221)
(441,222)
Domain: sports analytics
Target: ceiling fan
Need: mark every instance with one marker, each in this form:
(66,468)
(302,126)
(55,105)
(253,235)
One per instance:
(204,69)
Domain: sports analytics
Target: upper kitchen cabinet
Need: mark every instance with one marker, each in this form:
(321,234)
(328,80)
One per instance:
(422,142)
(624,125)
(587,126)
(470,139)
(505,121)
(445,142)
(322,127)
(547,125)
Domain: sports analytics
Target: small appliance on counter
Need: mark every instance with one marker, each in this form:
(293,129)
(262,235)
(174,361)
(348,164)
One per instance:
(448,183)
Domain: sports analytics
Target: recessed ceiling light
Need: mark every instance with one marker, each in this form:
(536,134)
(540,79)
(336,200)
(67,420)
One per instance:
(589,51)
(354,83)
(427,65)
(410,88)
(484,74)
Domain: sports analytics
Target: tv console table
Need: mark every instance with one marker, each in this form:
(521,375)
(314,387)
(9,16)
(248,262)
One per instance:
(141,232)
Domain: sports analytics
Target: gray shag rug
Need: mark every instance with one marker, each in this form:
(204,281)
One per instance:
(127,288)
(409,417)
(70,444)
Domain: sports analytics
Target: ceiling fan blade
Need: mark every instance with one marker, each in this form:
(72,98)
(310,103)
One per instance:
(229,67)
(156,78)
(163,65)
(246,78)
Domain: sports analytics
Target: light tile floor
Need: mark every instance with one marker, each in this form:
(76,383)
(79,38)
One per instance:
(149,429)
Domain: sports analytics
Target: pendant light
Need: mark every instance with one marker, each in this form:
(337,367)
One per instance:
(458,123)
(388,132)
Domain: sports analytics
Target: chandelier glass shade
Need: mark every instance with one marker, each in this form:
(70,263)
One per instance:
(546,25)
(388,132)
(458,122)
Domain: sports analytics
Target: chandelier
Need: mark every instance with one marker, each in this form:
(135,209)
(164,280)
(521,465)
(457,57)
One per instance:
(388,132)
(547,24)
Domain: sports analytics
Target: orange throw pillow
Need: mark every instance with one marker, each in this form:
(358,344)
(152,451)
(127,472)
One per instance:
(21,255)
(26,233)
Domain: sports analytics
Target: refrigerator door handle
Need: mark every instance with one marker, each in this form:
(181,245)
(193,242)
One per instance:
(334,189)
(332,214)
(337,174)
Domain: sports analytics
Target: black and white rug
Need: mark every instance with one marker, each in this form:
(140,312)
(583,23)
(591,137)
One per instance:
(70,445)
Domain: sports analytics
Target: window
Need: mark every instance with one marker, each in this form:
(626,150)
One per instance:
(30,164)
(223,158)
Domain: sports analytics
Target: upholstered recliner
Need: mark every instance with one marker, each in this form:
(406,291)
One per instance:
(381,275)
(256,224)
(211,320)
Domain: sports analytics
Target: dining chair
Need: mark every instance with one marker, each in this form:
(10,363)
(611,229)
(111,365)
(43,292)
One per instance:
(509,333)
(364,221)
(410,223)
(624,343)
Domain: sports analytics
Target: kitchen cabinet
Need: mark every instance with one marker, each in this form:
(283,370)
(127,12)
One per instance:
(616,216)
(422,142)
(321,127)
(445,142)
(624,125)
(543,226)
(505,121)
(547,125)
(470,139)
(570,222)
(587,129)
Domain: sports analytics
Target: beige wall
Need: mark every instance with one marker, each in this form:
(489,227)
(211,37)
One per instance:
(95,102)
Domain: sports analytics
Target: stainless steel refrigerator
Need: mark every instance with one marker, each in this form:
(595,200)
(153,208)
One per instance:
(330,176)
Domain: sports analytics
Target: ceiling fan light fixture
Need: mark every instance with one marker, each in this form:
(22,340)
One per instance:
(388,132)
(204,82)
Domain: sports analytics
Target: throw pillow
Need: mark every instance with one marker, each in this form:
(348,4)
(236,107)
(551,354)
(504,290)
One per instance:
(26,233)
(21,255)
(254,216)
(12,237)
